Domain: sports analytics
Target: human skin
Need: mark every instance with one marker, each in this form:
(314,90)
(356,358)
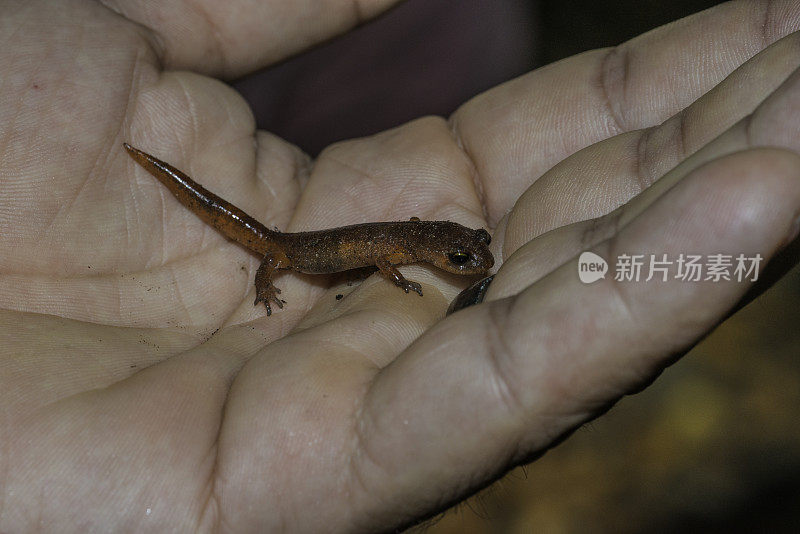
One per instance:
(142,390)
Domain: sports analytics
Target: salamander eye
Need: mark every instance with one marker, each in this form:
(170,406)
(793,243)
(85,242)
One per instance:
(458,258)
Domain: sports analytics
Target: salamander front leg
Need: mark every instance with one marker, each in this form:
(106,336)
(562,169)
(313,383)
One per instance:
(387,269)
(265,290)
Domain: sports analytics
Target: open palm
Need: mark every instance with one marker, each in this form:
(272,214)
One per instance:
(141,389)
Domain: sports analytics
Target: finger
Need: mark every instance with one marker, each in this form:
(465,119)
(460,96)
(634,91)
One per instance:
(517,131)
(232,38)
(600,178)
(520,373)
(774,122)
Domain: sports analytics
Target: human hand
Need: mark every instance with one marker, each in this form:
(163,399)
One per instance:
(141,388)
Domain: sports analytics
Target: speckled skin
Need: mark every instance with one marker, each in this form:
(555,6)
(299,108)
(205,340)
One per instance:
(447,245)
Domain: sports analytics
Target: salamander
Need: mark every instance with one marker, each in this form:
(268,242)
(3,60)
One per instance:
(447,245)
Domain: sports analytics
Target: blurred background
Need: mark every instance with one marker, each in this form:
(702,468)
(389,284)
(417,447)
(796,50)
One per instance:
(714,444)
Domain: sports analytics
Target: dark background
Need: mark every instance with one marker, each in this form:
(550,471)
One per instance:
(429,56)
(714,444)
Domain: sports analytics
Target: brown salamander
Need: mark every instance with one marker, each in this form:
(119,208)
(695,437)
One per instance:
(446,245)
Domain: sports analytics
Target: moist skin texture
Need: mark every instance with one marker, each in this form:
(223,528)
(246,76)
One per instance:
(446,245)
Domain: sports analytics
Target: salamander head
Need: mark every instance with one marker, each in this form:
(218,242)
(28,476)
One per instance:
(460,250)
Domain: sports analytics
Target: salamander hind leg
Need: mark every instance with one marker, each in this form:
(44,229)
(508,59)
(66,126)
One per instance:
(387,269)
(266,292)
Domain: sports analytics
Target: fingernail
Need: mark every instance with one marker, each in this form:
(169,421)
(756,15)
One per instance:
(472,295)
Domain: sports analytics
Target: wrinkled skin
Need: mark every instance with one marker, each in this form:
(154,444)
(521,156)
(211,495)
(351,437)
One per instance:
(140,388)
